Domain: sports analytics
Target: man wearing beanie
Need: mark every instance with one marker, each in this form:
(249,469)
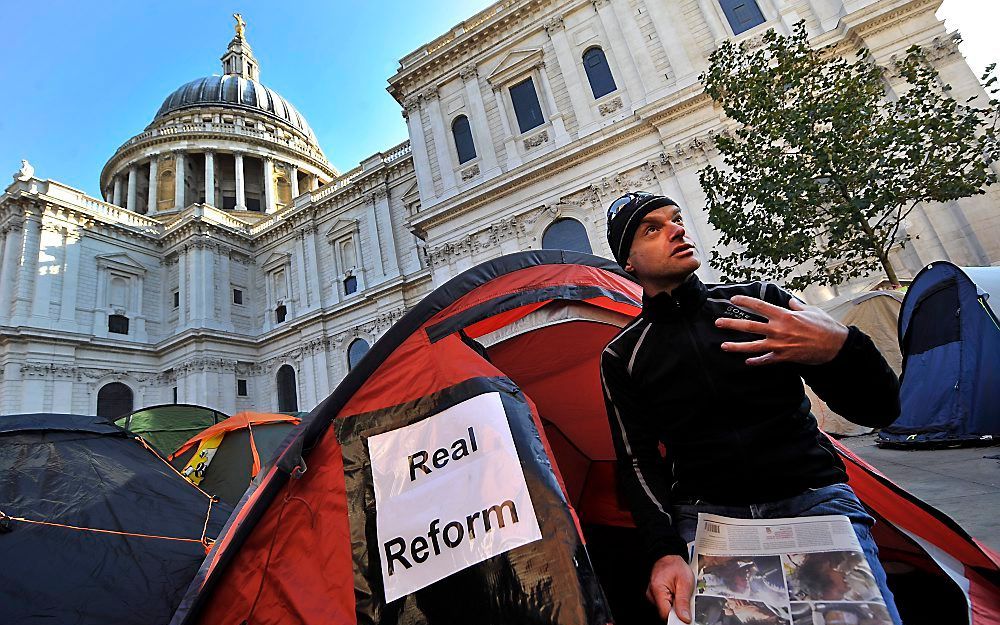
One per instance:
(712,374)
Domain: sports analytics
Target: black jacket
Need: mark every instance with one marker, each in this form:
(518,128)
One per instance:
(732,433)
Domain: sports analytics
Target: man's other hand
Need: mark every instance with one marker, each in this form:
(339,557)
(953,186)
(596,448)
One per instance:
(671,584)
(804,334)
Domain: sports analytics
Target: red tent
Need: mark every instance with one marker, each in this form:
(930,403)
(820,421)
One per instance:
(528,329)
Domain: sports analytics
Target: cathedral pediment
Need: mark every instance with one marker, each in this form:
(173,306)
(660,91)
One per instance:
(122,262)
(342,227)
(515,64)
(275,260)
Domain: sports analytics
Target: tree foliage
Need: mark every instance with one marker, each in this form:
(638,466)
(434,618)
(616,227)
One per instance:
(824,163)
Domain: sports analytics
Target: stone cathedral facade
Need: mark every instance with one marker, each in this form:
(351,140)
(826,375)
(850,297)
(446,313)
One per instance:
(229,264)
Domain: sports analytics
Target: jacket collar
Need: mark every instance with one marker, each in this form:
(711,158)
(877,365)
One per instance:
(685,300)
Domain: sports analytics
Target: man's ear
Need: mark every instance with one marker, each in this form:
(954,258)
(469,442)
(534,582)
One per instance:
(629,269)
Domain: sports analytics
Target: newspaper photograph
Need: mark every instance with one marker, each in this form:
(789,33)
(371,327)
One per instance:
(797,571)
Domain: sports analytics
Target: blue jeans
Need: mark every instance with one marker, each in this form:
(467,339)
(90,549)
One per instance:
(834,499)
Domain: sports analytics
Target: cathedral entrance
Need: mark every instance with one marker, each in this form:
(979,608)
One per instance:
(114,400)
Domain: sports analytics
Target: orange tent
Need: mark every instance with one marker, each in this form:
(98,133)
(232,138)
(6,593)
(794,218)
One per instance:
(224,458)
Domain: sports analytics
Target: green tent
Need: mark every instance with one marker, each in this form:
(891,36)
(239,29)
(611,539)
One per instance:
(168,426)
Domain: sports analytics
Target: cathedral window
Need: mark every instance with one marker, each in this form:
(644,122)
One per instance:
(118,324)
(461,130)
(177,299)
(356,351)
(114,400)
(280,313)
(287,394)
(350,285)
(526,107)
(241,388)
(238,297)
(742,14)
(598,72)
(566,234)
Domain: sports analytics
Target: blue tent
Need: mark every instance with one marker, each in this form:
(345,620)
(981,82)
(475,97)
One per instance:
(95,527)
(950,339)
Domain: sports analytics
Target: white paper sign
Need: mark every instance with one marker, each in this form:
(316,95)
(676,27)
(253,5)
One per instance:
(449,492)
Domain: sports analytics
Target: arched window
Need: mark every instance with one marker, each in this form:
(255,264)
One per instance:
(356,351)
(566,234)
(288,399)
(114,400)
(464,145)
(598,72)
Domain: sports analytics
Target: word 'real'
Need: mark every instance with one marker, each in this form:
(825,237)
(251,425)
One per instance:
(459,449)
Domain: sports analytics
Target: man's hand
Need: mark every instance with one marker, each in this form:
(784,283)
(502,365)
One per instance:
(671,584)
(804,334)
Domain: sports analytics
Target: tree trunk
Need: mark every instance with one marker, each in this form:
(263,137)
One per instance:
(890,271)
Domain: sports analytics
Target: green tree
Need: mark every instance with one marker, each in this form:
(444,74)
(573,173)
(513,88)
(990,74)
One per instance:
(823,165)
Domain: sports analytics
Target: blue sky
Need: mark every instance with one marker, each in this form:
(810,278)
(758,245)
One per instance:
(81,77)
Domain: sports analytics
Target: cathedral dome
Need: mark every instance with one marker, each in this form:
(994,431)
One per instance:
(236,91)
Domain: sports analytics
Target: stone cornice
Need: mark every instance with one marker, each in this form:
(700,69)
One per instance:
(442,58)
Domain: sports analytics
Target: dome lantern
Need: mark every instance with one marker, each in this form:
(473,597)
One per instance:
(239,59)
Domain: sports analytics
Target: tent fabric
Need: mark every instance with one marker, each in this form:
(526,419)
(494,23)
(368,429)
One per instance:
(295,551)
(876,313)
(260,572)
(99,529)
(249,441)
(166,427)
(950,339)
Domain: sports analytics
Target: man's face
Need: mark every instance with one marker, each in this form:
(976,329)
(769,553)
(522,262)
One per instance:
(661,251)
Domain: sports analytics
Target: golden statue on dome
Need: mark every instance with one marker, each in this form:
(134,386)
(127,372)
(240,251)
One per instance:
(240,25)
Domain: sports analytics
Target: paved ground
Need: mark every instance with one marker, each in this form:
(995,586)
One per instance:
(959,482)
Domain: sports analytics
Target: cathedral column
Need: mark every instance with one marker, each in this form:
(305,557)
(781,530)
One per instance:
(676,40)
(70,271)
(211,289)
(575,84)
(303,269)
(312,268)
(555,115)
(193,253)
(268,182)
(446,168)
(513,158)
(241,191)
(154,173)
(8,277)
(182,288)
(293,174)
(179,169)
(133,181)
(209,178)
(636,42)
(620,48)
(29,264)
(116,196)
(387,238)
(374,245)
(418,148)
(484,139)
(715,25)
(226,287)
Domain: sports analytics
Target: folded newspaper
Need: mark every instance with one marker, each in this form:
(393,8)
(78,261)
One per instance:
(800,571)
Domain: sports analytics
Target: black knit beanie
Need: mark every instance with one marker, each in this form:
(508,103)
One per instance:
(623,225)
